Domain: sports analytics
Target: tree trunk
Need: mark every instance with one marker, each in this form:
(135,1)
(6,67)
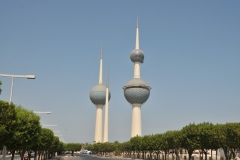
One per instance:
(35,155)
(216,153)
(157,155)
(22,154)
(233,153)
(39,154)
(211,154)
(205,153)
(226,153)
(190,152)
(176,153)
(13,153)
(29,155)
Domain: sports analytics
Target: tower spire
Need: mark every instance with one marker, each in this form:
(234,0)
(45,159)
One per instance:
(137,36)
(100,70)
(107,78)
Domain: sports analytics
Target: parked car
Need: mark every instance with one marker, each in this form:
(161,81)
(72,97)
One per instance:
(67,152)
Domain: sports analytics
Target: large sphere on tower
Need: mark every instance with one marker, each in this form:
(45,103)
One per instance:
(98,94)
(136,91)
(137,55)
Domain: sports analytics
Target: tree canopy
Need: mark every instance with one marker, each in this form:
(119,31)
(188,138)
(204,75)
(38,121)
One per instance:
(7,121)
(74,147)
(27,131)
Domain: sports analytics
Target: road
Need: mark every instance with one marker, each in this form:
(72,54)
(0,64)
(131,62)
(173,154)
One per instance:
(8,157)
(77,156)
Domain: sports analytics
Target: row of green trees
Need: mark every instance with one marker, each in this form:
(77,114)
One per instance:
(203,137)
(73,147)
(21,132)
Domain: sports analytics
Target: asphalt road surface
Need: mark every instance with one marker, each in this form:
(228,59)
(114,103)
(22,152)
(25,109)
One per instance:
(78,156)
(8,157)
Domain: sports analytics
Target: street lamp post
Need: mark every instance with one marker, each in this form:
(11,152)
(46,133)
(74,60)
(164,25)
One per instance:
(14,76)
(50,125)
(48,112)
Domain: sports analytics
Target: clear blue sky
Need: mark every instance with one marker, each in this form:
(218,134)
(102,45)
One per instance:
(192,61)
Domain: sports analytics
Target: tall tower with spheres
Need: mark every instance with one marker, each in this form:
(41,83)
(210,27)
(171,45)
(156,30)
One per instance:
(136,91)
(98,98)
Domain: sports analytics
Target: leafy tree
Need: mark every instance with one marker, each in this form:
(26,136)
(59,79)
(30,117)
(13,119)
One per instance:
(7,122)
(74,147)
(174,139)
(136,144)
(206,137)
(157,138)
(148,144)
(61,147)
(230,138)
(125,148)
(107,147)
(190,140)
(44,141)
(165,145)
(117,150)
(27,131)
(53,147)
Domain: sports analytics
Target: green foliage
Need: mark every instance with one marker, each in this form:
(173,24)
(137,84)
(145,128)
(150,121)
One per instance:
(136,143)
(7,122)
(54,145)
(44,140)
(190,137)
(125,147)
(74,147)
(27,130)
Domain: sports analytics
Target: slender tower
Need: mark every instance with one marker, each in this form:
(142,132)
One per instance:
(98,96)
(105,131)
(136,91)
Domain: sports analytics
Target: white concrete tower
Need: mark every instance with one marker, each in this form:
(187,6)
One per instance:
(136,91)
(98,96)
(105,131)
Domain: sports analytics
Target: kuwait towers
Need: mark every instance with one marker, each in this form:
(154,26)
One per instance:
(98,97)
(136,91)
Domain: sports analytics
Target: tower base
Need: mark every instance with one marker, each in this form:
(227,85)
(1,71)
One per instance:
(136,120)
(98,127)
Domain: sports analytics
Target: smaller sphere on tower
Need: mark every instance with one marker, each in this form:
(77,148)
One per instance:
(137,55)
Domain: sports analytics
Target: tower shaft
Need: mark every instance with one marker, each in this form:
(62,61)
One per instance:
(98,127)
(105,134)
(136,120)
(136,70)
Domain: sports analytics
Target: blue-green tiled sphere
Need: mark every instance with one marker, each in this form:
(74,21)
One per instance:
(136,91)
(98,94)
(137,56)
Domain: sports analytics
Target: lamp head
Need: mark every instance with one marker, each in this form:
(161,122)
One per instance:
(31,77)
